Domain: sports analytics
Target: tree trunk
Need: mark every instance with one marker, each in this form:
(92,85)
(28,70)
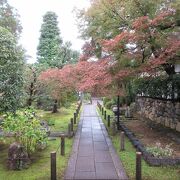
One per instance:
(55,108)
(29,103)
(32,88)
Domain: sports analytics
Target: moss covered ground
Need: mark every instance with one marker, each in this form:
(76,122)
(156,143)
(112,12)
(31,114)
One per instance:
(40,167)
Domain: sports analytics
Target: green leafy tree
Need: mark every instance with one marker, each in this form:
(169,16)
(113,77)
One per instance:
(11,76)
(9,18)
(30,85)
(105,19)
(68,55)
(113,20)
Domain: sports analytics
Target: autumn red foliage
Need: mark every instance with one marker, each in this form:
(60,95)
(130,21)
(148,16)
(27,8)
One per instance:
(58,80)
(86,76)
(142,46)
(145,44)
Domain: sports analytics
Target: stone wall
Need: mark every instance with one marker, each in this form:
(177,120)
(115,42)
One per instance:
(160,111)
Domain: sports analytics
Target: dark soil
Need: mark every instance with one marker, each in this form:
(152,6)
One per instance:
(150,135)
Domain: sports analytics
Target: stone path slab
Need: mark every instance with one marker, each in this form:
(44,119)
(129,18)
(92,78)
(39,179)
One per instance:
(93,155)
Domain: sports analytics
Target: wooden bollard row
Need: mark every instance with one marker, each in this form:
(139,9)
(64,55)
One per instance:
(62,146)
(105,114)
(122,144)
(74,118)
(77,112)
(69,130)
(72,124)
(73,121)
(62,143)
(78,108)
(109,118)
(99,105)
(138,166)
(53,158)
(53,166)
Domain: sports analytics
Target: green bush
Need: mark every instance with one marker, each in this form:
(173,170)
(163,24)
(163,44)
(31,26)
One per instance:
(45,102)
(109,104)
(159,151)
(158,87)
(105,100)
(87,96)
(26,128)
(51,122)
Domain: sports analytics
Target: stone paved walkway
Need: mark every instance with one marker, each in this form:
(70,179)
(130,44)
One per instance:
(93,156)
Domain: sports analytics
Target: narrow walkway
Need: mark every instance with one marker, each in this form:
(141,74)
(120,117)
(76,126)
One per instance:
(93,156)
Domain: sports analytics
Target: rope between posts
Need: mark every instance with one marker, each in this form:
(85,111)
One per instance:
(28,158)
(58,148)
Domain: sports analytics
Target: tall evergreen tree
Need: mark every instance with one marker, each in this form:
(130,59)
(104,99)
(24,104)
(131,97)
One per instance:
(48,50)
(51,52)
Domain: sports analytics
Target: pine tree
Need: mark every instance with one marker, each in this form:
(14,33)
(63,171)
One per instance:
(51,52)
(50,43)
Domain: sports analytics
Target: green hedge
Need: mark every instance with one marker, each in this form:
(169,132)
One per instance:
(158,87)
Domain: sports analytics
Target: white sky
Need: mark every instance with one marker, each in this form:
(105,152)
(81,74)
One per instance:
(31,12)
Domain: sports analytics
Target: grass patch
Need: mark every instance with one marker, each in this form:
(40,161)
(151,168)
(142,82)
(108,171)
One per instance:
(40,167)
(128,158)
(58,121)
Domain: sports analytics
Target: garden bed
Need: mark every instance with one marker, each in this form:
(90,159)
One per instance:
(149,135)
(151,160)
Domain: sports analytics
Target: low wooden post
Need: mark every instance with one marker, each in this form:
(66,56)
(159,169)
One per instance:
(105,115)
(122,148)
(77,112)
(72,124)
(62,145)
(69,130)
(74,118)
(138,165)
(53,165)
(99,106)
(109,117)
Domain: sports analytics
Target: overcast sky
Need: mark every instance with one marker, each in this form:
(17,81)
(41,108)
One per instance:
(31,12)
